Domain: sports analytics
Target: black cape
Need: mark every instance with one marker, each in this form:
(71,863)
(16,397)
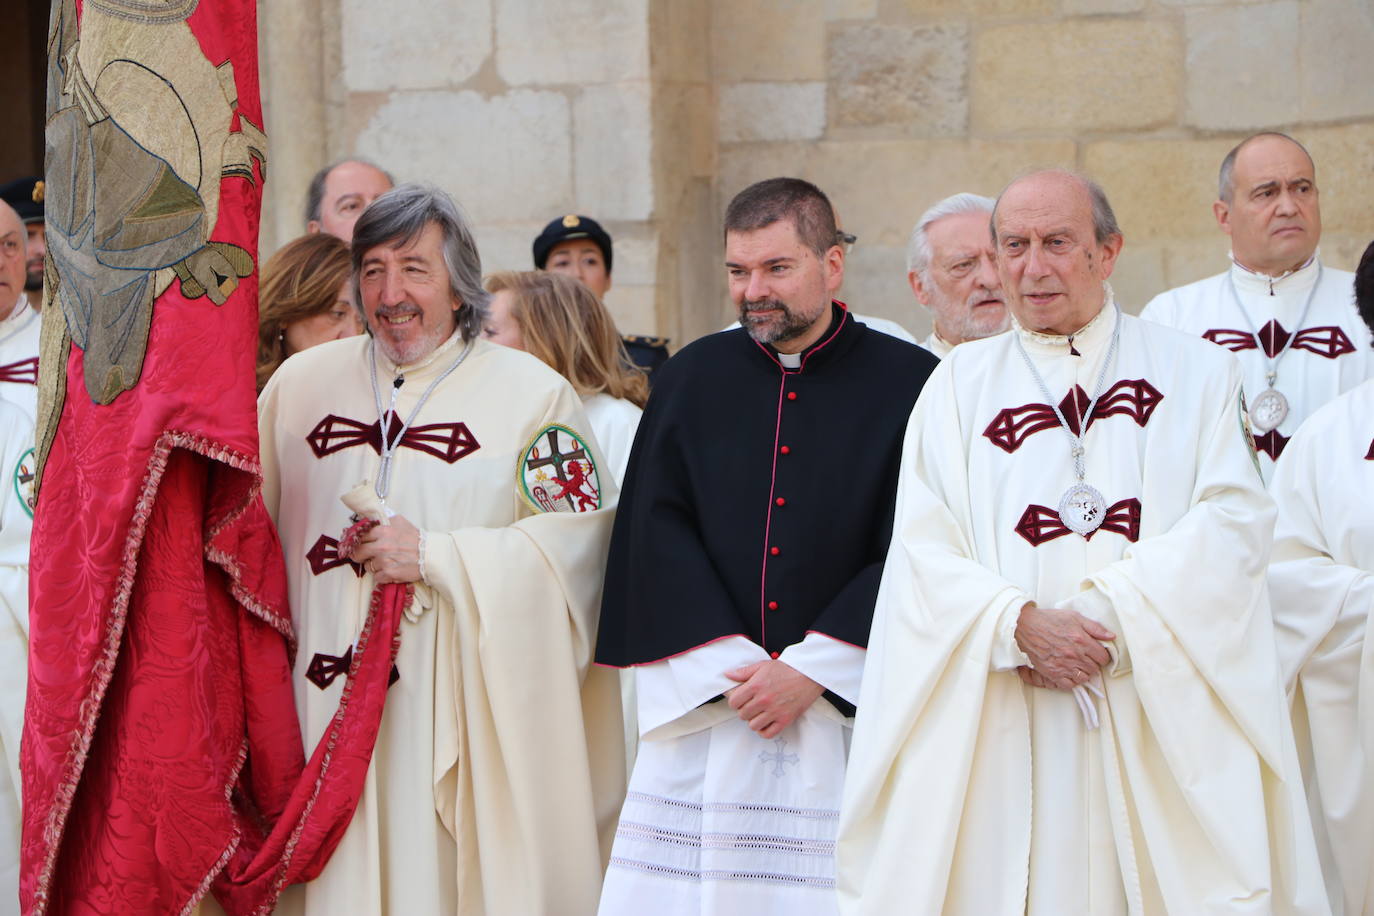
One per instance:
(758,500)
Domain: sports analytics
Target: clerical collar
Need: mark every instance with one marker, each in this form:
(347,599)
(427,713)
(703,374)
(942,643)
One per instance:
(418,367)
(1090,337)
(1252,281)
(840,322)
(790,360)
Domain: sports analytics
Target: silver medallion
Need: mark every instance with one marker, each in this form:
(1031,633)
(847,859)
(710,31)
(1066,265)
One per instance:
(1269,410)
(1082,510)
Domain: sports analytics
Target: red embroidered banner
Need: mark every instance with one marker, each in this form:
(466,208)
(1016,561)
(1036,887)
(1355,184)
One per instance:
(161,755)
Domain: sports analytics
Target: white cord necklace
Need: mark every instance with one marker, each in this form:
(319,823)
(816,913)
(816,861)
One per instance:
(1270,408)
(384,418)
(1082,508)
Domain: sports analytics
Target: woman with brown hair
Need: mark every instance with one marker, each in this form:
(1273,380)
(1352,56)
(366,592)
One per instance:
(557,319)
(305,300)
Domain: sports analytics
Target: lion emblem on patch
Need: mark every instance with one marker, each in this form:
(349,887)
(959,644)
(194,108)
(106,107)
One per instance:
(23,480)
(557,472)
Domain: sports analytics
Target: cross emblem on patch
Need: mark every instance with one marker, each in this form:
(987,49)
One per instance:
(559,477)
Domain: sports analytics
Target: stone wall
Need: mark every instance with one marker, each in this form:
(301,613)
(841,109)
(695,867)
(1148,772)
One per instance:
(651,114)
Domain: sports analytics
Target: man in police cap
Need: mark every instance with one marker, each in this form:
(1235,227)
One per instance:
(26,197)
(577,246)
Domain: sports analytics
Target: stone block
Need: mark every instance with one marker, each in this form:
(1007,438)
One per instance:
(384,49)
(636,254)
(686,114)
(1138,276)
(850,9)
(771,111)
(875,284)
(906,76)
(632,308)
(1241,67)
(1077,76)
(571,41)
(1337,72)
(1101,7)
(1345,161)
(506,246)
(505,159)
(680,37)
(1160,188)
(763,40)
(1187,260)
(976,9)
(612,165)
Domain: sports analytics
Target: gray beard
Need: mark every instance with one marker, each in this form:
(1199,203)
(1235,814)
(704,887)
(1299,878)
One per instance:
(791,326)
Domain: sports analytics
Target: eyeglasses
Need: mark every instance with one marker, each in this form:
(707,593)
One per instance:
(845,240)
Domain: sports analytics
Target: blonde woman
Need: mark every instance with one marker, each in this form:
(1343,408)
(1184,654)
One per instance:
(557,319)
(304,300)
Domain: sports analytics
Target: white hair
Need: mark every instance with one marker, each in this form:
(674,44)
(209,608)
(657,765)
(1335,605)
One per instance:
(918,249)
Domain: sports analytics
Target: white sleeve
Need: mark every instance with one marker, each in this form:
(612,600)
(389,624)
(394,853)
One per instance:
(673,687)
(837,666)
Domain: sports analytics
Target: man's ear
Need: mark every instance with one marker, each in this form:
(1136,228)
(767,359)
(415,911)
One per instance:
(1222,211)
(312,227)
(918,287)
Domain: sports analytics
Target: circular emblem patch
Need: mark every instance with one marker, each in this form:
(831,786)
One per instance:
(571,220)
(23,481)
(557,472)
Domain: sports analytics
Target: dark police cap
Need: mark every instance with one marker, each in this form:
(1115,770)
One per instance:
(567,228)
(26,197)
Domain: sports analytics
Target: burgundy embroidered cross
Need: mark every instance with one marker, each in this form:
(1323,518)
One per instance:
(1329,341)
(324,670)
(23,372)
(1271,443)
(324,556)
(449,441)
(1040,524)
(1369,455)
(1135,398)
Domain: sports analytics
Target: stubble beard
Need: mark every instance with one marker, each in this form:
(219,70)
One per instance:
(771,331)
(970,325)
(412,350)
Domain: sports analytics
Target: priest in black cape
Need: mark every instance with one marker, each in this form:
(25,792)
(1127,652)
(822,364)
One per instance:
(744,564)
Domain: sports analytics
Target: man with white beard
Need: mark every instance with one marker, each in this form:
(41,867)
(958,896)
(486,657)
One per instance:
(953,272)
(1290,319)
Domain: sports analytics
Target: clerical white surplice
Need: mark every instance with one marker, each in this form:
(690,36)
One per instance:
(970,792)
(1322,583)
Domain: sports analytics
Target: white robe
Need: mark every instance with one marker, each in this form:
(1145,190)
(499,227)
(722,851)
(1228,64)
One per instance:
(937,345)
(499,766)
(19,356)
(971,793)
(720,821)
(16,522)
(1332,353)
(614,421)
(1322,584)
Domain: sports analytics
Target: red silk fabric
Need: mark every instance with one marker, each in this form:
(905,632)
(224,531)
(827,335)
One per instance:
(162,755)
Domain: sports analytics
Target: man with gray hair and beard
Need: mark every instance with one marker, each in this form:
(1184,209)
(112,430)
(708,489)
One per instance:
(500,758)
(742,573)
(952,270)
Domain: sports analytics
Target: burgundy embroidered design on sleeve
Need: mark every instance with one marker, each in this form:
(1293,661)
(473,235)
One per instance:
(324,670)
(23,372)
(324,556)
(1040,524)
(1271,443)
(1329,341)
(1135,398)
(449,441)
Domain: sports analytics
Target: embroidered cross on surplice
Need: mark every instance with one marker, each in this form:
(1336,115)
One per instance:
(324,556)
(449,441)
(1329,341)
(324,670)
(23,372)
(1041,524)
(1134,398)
(779,757)
(1271,443)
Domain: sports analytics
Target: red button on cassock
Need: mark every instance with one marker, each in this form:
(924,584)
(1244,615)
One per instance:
(772,605)
(774,551)
(773,654)
(785,450)
(780,501)
(791,395)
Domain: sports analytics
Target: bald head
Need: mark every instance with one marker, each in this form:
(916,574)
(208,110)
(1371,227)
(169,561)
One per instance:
(1269,204)
(13,249)
(1057,241)
(339,193)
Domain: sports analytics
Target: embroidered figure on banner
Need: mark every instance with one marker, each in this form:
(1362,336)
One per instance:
(779,757)
(553,478)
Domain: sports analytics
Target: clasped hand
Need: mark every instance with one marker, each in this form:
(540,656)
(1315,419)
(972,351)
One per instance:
(1064,647)
(771,695)
(390,552)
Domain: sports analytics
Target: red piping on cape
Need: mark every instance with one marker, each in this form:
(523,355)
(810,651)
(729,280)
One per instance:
(665,658)
(773,483)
